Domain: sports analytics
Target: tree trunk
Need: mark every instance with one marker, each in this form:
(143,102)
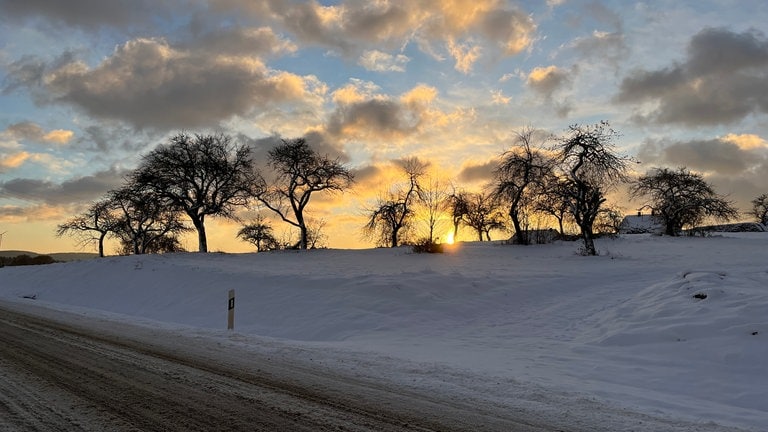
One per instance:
(199,223)
(520,234)
(393,238)
(101,244)
(589,242)
(670,230)
(304,241)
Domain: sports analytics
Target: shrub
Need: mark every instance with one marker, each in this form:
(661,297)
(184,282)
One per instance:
(22,260)
(427,246)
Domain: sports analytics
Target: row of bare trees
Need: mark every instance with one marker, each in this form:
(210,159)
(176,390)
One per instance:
(540,176)
(566,178)
(200,176)
(569,177)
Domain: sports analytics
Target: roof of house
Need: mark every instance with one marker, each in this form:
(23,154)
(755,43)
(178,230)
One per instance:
(638,224)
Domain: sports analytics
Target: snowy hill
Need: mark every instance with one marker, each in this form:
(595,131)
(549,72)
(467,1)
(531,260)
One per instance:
(669,327)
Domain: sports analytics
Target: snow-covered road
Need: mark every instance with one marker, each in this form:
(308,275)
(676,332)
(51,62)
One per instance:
(56,376)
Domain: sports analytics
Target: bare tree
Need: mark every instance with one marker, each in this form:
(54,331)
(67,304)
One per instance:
(520,178)
(608,221)
(555,201)
(458,207)
(168,243)
(144,221)
(316,237)
(392,215)
(483,214)
(760,209)
(589,167)
(300,172)
(681,198)
(260,234)
(92,226)
(200,175)
(433,202)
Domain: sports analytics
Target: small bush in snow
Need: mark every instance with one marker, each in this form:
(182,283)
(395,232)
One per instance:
(427,246)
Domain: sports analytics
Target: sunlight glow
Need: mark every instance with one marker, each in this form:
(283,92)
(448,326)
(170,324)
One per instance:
(449,238)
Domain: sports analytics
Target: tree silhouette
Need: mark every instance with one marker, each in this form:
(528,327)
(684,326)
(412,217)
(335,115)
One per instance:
(480,211)
(520,178)
(92,226)
(260,234)
(555,201)
(760,209)
(144,222)
(200,175)
(300,172)
(589,167)
(681,198)
(393,215)
(433,199)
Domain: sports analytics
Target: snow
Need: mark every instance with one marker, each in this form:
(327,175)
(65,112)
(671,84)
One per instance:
(539,328)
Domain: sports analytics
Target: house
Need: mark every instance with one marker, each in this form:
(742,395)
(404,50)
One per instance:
(641,224)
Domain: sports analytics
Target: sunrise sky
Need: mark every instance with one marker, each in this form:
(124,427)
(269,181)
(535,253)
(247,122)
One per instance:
(88,86)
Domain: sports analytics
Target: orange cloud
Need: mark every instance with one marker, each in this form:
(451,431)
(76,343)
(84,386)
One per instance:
(14,160)
(420,95)
(465,55)
(58,136)
(746,141)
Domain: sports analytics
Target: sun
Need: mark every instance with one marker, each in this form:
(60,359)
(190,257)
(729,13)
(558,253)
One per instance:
(449,238)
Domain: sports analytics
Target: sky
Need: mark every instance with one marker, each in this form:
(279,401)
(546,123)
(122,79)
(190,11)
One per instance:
(88,86)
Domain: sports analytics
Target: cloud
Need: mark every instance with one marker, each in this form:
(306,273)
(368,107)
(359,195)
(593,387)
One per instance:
(547,80)
(242,41)
(378,61)
(33,132)
(722,80)
(79,189)
(368,177)
(371,118)
(601,46)
(606,46)
(465,54)
(10,212)
(419,96)
(92,14)
(14,160)
(724,156)
(148,83)
(25,131)
(362,113)
(41,212)
(747,141)
(58,136)
(13,152)
(498,98)
(474,172)
(351,28)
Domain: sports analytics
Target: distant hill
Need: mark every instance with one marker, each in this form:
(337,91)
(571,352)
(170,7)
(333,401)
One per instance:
(58,256)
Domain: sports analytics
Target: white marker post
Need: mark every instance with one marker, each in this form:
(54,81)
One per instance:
(231,310)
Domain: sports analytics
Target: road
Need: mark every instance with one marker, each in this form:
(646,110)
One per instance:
(72,375)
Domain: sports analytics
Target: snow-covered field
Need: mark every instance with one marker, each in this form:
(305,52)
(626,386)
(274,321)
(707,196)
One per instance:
(537,328)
